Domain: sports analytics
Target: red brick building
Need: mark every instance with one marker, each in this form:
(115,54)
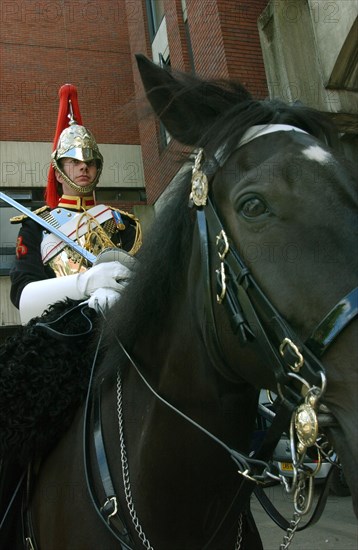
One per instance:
(92,45)
(214,38)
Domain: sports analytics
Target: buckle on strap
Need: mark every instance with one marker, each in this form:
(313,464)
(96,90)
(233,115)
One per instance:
(109,508)
(29,544)
(294,352)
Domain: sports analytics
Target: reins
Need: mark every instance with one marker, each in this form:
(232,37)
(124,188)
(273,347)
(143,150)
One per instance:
(108,510)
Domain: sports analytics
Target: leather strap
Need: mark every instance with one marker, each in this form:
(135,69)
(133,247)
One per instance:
(12,499)
(282,522)
(247,302)
(108,510)
(50,327)
(28,532)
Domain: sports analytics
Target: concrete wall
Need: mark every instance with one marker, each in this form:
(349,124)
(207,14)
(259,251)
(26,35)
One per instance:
(309,55)
(336,35)
(9,315)
(26,163)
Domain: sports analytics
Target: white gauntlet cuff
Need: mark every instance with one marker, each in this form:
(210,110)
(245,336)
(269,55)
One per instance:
(39,295)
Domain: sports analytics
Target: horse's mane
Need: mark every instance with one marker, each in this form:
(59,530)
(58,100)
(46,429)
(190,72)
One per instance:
(225,109)
(161,262)
(164,255)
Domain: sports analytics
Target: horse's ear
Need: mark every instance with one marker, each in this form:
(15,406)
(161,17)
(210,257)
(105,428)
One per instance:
(186,105)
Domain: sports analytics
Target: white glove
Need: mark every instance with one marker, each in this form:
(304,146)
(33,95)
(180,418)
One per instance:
(39,295)
(106,275)
(103,298)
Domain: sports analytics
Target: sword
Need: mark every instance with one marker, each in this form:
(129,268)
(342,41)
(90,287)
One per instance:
(46,225)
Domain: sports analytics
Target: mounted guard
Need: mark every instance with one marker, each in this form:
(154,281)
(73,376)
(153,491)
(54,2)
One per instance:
(76,166)
(73,257)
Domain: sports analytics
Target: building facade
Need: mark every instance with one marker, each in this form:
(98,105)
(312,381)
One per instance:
(92,45)
(270,46)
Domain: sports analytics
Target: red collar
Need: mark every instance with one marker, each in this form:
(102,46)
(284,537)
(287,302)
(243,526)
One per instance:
(76,203)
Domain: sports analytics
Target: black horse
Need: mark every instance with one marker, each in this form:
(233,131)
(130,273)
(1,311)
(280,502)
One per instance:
(243,289)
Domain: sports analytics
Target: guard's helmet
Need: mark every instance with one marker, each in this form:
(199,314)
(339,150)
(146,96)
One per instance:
(71,140)
(77,142)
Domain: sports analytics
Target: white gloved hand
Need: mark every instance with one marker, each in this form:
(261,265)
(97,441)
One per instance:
(106,275)
(103,299)
(39,295)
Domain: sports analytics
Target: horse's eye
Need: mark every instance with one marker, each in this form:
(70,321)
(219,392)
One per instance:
(253,207)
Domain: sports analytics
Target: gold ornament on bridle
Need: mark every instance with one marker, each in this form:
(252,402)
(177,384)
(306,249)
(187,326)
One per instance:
(199,182)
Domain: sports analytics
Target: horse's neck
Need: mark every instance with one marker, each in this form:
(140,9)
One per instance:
(177,364)
(168,457)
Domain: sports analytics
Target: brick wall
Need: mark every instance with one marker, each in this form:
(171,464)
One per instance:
(225,44)
(45,44)
(241,43)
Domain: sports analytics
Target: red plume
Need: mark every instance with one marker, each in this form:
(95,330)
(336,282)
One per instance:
(66,93)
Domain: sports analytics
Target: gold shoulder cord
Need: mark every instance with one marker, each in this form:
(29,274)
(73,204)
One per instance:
(97,239)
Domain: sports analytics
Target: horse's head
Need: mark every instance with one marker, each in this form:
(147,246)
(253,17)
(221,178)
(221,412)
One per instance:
(287,205)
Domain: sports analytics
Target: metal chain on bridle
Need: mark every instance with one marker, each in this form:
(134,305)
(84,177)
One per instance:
(126,477)
(125,468)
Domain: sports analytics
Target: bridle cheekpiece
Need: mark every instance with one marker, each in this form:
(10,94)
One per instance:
(300,375)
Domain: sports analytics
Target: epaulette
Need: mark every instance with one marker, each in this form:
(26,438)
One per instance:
(22,217)
(124,213)
(138,240)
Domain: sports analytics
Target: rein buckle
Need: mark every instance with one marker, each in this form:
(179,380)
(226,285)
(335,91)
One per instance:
(287,343)
(109,508)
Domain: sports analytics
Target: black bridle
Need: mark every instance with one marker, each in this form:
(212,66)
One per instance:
(250,313)
(296,365)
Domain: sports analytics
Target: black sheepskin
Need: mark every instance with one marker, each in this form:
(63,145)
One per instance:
(43,379)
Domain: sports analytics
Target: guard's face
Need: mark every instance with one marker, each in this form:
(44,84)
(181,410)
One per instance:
(80,172)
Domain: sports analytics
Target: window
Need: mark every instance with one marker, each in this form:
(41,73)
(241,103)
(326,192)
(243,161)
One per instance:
(155,10)
(184,10)
(8,236)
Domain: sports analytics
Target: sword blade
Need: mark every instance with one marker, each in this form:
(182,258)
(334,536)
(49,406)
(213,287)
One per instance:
(46,225)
